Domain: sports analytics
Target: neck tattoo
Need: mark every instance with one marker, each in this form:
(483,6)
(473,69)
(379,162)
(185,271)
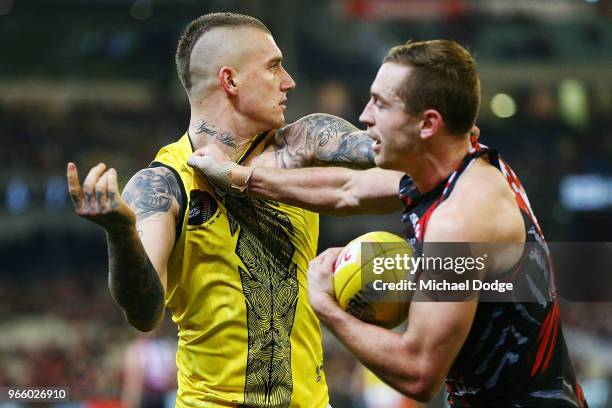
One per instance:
(226,138)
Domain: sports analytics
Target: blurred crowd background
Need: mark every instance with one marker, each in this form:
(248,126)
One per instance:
(94,80)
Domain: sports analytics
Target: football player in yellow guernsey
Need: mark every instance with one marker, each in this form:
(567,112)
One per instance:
(231,269)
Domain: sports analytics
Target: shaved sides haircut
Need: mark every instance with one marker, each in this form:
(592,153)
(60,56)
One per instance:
(199,27)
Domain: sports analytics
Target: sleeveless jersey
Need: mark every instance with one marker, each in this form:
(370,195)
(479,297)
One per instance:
(515,354)
(237,290)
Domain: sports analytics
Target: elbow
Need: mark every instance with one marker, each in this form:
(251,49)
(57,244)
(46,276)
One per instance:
(423,388)
(344,210)
(424,391)
(346,205)
(144,325)
(144,317)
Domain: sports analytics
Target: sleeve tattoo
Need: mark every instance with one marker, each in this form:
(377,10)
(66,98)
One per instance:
(323,139)
(151,191)
(133,280)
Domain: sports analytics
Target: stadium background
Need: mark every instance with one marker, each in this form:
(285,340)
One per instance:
(94,80)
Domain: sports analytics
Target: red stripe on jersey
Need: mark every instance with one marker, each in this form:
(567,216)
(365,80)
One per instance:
(550,327)
(519,193)
(424,220)
(553,342)
(579,395)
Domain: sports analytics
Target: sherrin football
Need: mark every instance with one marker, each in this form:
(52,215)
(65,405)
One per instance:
(354,288)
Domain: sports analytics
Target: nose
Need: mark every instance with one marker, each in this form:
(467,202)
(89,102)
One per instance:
(287,83)
(366,117)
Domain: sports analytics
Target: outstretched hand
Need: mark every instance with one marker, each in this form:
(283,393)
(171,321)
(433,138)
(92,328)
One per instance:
(99,200)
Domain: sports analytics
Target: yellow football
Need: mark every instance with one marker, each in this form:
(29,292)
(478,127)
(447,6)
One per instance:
(355,285)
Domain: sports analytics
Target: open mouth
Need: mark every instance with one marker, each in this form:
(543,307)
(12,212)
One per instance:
(376,145)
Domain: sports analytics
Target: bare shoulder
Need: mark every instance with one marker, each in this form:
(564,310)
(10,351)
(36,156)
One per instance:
(152,191)
(481,208)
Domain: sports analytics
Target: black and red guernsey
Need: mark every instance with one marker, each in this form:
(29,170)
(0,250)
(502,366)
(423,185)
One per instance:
(515,354)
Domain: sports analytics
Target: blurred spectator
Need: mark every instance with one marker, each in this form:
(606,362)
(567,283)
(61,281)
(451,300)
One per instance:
(149,372)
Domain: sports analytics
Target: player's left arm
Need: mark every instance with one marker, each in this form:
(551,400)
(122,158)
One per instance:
(321,139)
(416,361)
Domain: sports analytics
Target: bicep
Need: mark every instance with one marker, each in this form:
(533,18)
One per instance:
(322,139)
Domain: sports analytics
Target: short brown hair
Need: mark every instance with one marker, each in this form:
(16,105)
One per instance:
(199,27)
(443,78)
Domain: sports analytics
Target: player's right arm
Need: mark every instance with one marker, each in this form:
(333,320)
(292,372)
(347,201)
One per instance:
(330,190)
(140,229)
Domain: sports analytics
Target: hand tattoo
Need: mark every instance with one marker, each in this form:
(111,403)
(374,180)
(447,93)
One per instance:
(112,198)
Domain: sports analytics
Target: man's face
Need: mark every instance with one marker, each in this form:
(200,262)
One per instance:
(263,83)
(394,132)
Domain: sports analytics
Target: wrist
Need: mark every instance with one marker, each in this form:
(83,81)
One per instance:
(240,176)
(325,306)
(121,229)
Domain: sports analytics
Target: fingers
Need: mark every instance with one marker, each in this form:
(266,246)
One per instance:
(327,258)
(330,255)
(107,192)
(200,152)
(101,194)
(194,160)
(201,163)
(89,184)
(212,151)
(333,253)
(74,186)
(112,188)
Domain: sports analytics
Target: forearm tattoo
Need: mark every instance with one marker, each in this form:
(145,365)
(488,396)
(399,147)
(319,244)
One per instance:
(226,138)
(323,139)
(133,280)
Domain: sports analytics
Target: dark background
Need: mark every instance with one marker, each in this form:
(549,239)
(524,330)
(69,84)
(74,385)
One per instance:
(91,81)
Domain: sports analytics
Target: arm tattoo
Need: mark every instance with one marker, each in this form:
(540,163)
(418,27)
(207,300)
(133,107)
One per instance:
(295,148)
(226,138)
(151,191)
(133,280)
(323,139)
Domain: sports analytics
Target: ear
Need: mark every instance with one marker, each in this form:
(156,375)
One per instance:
(431,123)
(227,79)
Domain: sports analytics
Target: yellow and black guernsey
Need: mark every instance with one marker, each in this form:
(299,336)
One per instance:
(237,291)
